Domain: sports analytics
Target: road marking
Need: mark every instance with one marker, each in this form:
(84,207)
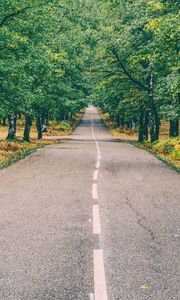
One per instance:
(91,296)
(95,175)
(94,191)
(99,273)
(96,220)
(98,164)
(99,276)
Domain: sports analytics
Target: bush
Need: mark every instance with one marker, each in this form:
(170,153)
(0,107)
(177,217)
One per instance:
(53,123)
(64,126)
(177,147)
(165,146)
(106,116)
(175,155)
(168,148)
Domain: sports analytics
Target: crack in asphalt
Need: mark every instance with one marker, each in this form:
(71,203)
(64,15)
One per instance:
(140,221)
(160,273)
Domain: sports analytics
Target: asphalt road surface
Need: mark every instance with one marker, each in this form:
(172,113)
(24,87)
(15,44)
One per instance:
(89,218)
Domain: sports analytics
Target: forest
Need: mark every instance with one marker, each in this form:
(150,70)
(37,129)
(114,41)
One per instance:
(58,56)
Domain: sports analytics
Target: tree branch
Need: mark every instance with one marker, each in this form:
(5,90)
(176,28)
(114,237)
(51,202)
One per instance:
(12,15)
(137,82)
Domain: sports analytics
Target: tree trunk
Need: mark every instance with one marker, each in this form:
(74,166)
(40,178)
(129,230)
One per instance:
(15,123)
(174,128)
(141,126)
(27,128)
(12,128)
(70,117)
(133,126)
(65,118)
(43,120)
(39,127)
(146,121)
(58,119)
(4,121)
(157,125)
(122,121)
(47,118)
(50,117)
(117,120)
(152,107)
(151,126)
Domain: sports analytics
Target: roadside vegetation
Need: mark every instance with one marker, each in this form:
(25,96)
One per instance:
(137,66)
(42,66)
(136,74)
(16,149)
(12,151)
(167,149)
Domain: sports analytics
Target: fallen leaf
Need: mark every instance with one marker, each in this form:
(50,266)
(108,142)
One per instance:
(144,286)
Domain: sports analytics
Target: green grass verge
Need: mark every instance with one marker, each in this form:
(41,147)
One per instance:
(16,157)
(22,153)
(159,156)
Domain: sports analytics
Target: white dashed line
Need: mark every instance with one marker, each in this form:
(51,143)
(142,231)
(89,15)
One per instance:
(95,175)
(99,276)
(99,156)
(99,273)
(91,296)
(94,191)
(96,220)
(98,164)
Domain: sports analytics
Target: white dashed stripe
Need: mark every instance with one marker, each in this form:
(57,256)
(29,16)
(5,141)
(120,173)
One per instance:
(95,175)
(99,273)
(99,276)
(96,220)
(94,191)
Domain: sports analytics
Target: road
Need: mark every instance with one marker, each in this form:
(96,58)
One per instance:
(89,218)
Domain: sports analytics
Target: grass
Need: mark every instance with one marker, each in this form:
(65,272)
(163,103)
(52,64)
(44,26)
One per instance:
(63,128)
(118,133)
(12,151)
(166,149)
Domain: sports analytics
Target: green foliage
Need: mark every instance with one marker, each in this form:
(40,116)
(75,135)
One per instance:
(168,148)
(175,155)
(64,126)
(42,63)
(56,56)
(137,40)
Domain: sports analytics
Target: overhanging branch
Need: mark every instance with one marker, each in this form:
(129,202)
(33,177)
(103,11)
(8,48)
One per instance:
(137,82)
(12,15)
